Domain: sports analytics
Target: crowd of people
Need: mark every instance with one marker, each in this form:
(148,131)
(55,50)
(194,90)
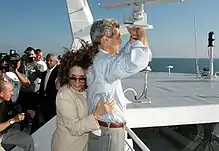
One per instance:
(82,88)
(28,82)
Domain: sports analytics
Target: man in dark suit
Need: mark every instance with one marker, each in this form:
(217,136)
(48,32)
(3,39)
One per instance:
(48,89)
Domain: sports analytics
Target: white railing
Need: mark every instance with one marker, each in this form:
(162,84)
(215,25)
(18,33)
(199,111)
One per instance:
(47,130)
(137,141)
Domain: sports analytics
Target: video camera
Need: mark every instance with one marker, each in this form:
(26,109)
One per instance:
(9,61)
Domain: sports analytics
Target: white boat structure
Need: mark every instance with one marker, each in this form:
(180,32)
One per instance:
(168,101)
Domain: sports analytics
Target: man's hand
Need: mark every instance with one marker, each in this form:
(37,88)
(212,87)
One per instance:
(17,67)
(138,34)
(19,117)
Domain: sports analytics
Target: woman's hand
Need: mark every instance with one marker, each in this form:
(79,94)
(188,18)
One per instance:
(104,108)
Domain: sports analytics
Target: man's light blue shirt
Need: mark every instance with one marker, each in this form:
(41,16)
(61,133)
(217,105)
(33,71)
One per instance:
(104,77)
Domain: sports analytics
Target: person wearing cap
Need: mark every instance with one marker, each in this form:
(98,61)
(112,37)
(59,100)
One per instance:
(109,66)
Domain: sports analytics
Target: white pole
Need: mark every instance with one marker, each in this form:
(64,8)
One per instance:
(195,46)
(211,53)
(211,63)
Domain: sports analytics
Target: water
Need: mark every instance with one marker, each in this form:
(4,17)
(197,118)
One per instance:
(181,65)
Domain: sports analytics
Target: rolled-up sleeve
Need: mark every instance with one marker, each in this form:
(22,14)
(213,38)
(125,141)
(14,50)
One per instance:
(127,64)
(67,108)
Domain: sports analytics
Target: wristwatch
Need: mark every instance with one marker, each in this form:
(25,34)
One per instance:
(11,121)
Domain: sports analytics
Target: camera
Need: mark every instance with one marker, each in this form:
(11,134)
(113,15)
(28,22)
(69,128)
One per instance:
(30,59)
(27,59)
(9,61)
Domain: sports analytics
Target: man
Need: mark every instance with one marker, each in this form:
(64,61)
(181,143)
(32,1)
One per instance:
(48,89)
(31,69)
(104,79)
(40,61)
(9,135)
(39,54)
(17,80)
(28,96)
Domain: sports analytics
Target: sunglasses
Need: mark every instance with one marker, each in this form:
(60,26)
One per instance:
(82,80)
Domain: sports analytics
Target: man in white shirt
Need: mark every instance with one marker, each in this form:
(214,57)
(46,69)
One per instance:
(104,78)
(42,67)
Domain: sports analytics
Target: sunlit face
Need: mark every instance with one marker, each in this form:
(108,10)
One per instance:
(40,56)
(112,43)
(51,61)
(7,93)
(77,78)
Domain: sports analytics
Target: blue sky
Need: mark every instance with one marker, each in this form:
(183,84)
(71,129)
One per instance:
(44,24)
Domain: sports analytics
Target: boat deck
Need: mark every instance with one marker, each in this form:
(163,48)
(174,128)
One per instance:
(177,89)
(177,99)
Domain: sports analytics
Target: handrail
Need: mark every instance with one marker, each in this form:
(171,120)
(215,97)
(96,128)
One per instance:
(216,74)
(136,139)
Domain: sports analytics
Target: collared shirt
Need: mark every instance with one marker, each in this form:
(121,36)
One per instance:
(104,77)
(42,67)
(49,71)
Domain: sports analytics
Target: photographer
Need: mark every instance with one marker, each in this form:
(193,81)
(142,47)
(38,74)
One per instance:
(28,96)
(9,65)
(8,135)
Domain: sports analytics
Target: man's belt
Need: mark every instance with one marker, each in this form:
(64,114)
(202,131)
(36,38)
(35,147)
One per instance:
(111,125)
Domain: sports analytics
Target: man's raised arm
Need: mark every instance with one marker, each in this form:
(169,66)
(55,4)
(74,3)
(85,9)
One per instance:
(127,64)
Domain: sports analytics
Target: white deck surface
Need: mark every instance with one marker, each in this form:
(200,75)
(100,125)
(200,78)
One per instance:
(176,99)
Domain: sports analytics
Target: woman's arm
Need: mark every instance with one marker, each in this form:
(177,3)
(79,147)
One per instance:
(68,113)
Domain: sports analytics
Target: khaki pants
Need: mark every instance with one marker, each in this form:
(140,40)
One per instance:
(111,139)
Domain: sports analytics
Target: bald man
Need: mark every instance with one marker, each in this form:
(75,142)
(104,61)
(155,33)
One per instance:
(8,135)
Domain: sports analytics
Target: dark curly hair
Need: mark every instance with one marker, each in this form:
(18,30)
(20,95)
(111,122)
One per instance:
(82,58)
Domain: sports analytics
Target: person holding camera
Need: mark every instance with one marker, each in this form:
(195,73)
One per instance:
(29,97)
(9,65)
(31,68)
(8,135)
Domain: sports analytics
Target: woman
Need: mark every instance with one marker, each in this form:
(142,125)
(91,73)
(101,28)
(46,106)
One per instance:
(72,120)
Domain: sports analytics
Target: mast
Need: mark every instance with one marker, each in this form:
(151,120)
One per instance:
(195,47)
(211,52)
